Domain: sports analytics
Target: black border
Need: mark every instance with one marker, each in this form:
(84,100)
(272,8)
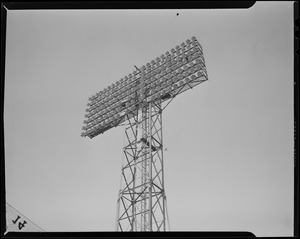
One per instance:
(2,167)
(65,5)
(296,120)
(220,234)
(128,5)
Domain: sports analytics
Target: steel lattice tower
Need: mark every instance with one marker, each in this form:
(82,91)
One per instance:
(139,100)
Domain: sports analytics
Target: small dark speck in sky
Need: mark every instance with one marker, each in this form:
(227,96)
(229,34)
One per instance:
(177,14)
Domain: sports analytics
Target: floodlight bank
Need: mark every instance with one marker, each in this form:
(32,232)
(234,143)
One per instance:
(180,69)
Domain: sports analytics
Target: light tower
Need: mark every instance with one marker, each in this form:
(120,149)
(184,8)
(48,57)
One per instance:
(138,101)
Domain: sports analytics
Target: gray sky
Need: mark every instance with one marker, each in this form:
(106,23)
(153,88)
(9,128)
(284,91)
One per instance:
(229,164)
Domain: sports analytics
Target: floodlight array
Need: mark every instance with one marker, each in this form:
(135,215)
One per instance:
(163,78)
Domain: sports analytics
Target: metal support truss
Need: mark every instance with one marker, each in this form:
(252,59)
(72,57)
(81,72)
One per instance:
(142,199)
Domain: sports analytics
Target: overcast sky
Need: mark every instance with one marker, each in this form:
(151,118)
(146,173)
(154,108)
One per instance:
(229,164)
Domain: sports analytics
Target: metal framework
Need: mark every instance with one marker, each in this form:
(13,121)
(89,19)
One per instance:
(138,101)
(142,198)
